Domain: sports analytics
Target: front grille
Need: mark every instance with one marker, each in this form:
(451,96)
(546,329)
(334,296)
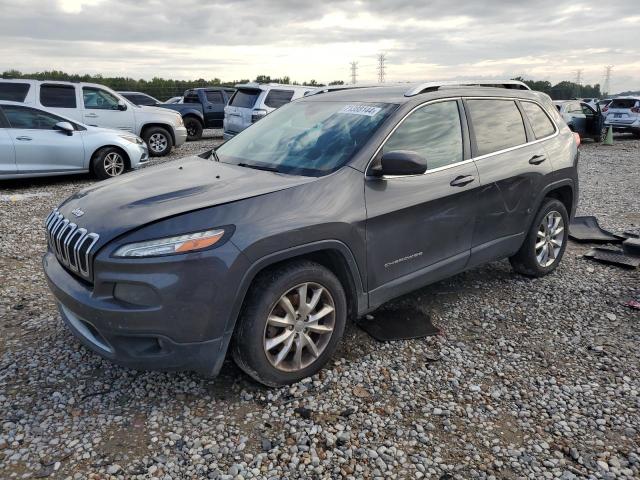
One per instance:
(71,245)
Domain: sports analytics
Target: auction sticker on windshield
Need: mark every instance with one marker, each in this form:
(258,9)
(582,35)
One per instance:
(366,110)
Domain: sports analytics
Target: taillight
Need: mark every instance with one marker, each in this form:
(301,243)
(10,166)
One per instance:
(605,109)
(257,115)
(635,109)
(577,137)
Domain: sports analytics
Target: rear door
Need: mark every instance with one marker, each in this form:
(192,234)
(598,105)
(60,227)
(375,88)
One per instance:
(101,109)
(213,108)
(38,146)
(511,172)
(419,227)
(7,151)
(238,111)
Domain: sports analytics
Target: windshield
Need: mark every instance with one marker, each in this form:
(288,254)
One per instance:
(306,138)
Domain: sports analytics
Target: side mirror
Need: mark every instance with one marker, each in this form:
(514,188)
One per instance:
(65,127)
(402,162)
(122,105)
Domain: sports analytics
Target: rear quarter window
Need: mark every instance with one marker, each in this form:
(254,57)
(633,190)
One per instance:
(58,96)
(244,98)
(540,123)
(497,125)
(277,98)
(13,92)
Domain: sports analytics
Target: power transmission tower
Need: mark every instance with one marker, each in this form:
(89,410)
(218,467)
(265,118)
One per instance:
(578,82)
(607,79)
(381,67)
(354,72)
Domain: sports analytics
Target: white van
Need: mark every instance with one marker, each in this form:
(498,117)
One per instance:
(99,106)
(253,101)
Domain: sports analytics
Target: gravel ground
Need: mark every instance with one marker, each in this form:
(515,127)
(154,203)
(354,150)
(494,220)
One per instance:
(530,378)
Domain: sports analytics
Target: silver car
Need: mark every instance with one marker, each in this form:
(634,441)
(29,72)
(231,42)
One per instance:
(35,142)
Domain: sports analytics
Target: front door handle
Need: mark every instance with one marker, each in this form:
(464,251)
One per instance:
(462,180)
(24,139)
(91,115)
(537,159)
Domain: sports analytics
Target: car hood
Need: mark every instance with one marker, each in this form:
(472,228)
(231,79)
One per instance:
(158,111)
(113,207)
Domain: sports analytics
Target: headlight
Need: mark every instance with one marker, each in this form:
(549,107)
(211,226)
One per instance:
(179,121)
(171,245)
(132,139)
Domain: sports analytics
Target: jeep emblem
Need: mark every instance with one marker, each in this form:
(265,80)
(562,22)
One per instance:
(77,212)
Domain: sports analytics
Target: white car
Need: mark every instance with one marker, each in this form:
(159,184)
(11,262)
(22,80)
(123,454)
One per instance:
(253,101)
(99,106)
(623,115)
(35,142)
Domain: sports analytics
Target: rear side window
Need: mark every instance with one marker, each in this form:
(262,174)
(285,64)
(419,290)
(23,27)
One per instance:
(58,96)
(497,124)
(540,123)
(30,118)
(623,103)
(244,98)
(214,97)
(13,92)
(277,98)
(433,131)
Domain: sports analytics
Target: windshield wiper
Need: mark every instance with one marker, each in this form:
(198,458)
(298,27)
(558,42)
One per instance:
(215,155)
(259,167)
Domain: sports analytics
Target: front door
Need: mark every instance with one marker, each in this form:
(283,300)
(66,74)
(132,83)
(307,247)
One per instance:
(39,148)
(419,227)
(101,109)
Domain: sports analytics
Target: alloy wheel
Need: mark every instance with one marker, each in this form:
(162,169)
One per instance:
(299,327)
(158,142)
(113,164)
(549,239)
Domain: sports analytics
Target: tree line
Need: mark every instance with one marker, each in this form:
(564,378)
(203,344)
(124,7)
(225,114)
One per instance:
(163,89)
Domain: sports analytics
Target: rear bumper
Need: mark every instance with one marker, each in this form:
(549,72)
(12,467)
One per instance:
(623,127)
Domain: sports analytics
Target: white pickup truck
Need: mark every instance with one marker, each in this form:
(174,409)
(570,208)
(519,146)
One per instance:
(99,106)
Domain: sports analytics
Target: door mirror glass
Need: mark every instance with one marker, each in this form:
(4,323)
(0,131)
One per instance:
(65,127)
(402,162)
(122,105)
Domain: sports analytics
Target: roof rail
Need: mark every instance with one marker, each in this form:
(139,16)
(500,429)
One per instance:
(337,88)
(433,86)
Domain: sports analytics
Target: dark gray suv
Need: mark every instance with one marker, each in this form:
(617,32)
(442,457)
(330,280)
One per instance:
(324,210)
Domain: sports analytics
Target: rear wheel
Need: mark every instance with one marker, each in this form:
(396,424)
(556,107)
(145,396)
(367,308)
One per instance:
(194,128)
(158,140)
(546,241)
(291,323)
(108,162)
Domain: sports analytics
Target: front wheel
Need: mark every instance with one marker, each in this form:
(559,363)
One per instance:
(108,162)
(158,141)
(546,241)
(291,323)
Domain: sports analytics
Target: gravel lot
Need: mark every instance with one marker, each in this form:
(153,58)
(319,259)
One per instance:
(530,379)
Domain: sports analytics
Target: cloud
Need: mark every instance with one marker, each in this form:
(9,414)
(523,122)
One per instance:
(545,39)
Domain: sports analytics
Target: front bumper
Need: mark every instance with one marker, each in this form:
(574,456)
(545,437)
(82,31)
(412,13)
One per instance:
(151,315)
(181,135)
(139,155)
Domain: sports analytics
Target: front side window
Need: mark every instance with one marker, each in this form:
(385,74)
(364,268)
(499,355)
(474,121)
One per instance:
(306,138)
(58,96)
(540,123)
(433,131)
(30,118)
(574,107)
(497,125)
(277,98)
(13,92)
(214,97)
(98,99)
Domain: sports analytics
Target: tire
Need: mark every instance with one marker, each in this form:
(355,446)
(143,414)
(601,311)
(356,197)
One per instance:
(274,366)
(541,261)
(109,162)
(194,128)
(158,140)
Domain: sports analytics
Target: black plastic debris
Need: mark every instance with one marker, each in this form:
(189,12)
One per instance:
(613,257)
(631,246)
(587,229)
(398,324)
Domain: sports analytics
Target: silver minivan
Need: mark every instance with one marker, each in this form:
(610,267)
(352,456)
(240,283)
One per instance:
(253,101)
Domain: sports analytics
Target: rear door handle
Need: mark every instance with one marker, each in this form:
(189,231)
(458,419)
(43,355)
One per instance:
(24,139)
(462,180)
(537,159)
(91,115)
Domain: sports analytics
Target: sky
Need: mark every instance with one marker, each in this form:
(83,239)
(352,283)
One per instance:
(317,39)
